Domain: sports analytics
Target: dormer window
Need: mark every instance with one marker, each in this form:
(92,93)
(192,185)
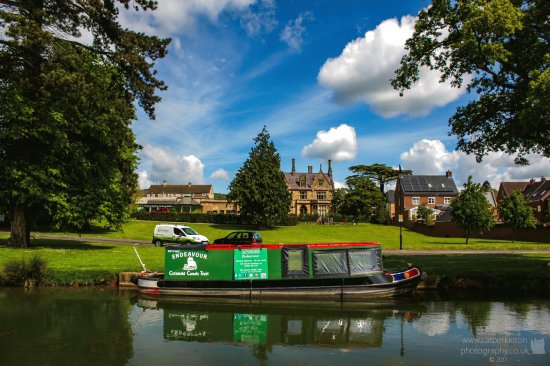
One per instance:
(443,185)
(303,182)
(429,185)
(321,182)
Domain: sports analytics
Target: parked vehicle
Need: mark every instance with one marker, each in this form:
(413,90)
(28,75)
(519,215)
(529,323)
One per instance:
(241,237)
(161,210)
(178,234)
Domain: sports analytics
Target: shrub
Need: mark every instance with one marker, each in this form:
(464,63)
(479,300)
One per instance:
(23,272)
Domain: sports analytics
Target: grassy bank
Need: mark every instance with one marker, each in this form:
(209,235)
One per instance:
(388,236)
(76,263)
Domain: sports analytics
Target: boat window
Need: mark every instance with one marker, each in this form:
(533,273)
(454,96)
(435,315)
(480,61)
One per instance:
(330,262)
(295,262)
(362,261)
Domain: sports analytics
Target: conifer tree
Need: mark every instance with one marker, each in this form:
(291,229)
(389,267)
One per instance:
(259,187)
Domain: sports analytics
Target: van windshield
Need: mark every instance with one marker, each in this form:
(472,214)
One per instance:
(189,231)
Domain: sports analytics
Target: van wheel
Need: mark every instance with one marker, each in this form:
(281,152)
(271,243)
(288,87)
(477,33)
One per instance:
(158,243)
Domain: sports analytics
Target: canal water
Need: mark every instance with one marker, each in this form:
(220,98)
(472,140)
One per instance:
(109,327)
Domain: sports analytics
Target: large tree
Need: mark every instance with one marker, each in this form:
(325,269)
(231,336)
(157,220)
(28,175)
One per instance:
(259,187)
(500,49)
(66,107)
(516,213)
(471,209)
(361,199)
(380,174)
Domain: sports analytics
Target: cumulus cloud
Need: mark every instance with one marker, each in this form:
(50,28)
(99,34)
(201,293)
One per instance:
(172,16)
(364,69)
(143,180)
(338,144)
(220,174)
(431,157)
(294,31)
(171,167)
(338,185)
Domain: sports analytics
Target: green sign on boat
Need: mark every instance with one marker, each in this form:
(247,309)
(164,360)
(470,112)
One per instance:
(250,264)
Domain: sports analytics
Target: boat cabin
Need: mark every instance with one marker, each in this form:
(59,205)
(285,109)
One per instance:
(222,262)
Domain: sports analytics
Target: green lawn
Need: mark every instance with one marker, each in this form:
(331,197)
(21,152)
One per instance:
(388,236)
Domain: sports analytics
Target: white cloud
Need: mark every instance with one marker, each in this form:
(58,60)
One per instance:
(338,185)
(431,157)
(143,180)
(220,174)
(173,16)
(338,144)
(173,168)
(366,65)
(294,30)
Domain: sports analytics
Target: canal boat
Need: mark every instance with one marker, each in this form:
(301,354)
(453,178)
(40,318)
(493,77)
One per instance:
(338,271)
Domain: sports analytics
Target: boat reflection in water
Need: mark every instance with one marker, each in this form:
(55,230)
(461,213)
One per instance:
(340,325)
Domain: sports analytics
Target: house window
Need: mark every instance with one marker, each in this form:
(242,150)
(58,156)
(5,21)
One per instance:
(204,194)
(322,195)
(431,200)
(322,210)
(303,182)
(303,195)
(416,201)
(447,200)
(192,195)
(321,182)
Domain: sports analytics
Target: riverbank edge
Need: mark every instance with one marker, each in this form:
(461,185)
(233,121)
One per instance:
(475,284)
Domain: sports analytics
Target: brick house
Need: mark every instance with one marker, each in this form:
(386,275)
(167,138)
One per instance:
(537,195)
(435,191)
(311,192)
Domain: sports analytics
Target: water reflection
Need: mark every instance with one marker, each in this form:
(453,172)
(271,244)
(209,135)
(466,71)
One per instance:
(107,327)
(436,332)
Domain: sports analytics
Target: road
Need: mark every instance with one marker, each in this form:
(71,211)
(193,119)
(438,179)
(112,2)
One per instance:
(91,239)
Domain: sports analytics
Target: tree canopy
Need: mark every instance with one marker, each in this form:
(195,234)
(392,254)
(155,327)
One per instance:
(361,199)
(259,187)
(500,50)
(516,213)
(66,107)
(380,174)
(471,209)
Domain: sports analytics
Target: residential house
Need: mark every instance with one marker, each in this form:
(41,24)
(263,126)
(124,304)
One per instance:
(435,191)
(506,188)
(537,195)
(311,192)
(390,204)
(183,198)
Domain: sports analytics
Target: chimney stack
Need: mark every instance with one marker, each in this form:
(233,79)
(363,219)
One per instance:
(293,166)
(542,179)
(309,169)
(532,181)
(330,169)
(449,174)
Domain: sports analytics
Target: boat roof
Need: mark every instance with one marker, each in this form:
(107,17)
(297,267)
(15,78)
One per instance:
(281,246)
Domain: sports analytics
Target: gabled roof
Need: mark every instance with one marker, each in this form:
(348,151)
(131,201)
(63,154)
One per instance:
(508,187)
(178,188)
(428,184)
(537,191)
(293,181)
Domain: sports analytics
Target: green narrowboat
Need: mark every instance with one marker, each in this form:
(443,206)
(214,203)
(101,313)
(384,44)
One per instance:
(339,271)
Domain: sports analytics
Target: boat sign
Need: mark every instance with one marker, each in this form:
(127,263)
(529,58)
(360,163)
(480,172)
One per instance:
(250,264)
(196,264)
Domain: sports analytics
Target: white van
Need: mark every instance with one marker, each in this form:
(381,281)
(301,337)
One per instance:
(179,234)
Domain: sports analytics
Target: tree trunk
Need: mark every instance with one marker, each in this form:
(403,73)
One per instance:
(467,236)
(19,233)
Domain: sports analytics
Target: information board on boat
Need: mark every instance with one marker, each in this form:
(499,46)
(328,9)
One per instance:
(250,264)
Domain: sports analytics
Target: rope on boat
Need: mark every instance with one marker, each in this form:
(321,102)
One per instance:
(140,261)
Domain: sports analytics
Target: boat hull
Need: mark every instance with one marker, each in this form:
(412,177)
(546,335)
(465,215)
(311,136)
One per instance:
(343,289)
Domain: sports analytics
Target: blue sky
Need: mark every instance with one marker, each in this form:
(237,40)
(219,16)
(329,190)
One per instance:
(316,73)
